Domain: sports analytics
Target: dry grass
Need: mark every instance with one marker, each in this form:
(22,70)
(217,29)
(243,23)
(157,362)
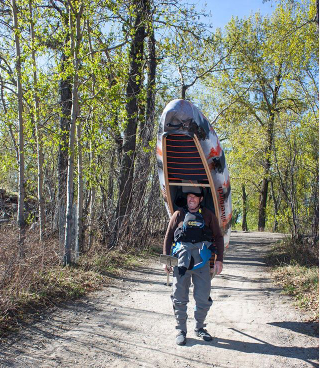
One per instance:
(37,280)
(296,269)
(303,284)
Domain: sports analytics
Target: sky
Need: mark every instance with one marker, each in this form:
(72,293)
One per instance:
(222,10)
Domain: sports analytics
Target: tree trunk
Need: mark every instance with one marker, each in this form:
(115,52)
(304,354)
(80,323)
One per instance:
(132,92)
(183,92)
(65,87)
(315,207)
(293,190)
(92,152)
(268,152)
(244,209)
(265,181)
(287,184)
(263,204)
(143,169)
(110,185)
(21,180)
(79,232)
(36,114)
(146,132)
(276,207)
(151,94)
(75,44)
(91,216)
(5,110)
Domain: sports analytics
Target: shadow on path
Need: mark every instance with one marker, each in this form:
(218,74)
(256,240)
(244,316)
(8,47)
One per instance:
(306,328)
(306,354)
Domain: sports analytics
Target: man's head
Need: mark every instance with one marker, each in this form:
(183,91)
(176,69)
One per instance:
(194,197)
(193,202)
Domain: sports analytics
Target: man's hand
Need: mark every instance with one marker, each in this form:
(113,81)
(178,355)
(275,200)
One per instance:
(217,269)
(166,268)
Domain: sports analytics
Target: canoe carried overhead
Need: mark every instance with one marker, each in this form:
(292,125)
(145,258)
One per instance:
(189,154)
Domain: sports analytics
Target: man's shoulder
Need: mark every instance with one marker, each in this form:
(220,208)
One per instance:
(176,218)
(178,213)
(207,212)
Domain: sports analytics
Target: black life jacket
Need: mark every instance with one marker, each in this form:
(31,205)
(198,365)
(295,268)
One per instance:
(193,229)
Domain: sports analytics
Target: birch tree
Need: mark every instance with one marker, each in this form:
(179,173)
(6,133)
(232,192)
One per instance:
(75,14)
(21,197)
(36,118)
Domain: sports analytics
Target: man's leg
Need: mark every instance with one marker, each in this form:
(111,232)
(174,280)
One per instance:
(202,286)
(180,298)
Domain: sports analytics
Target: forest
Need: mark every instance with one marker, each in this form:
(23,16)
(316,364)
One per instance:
(83,84)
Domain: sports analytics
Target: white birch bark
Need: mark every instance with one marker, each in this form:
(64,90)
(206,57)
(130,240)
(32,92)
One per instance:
(40,156)
(92,158)
(78,247)
(21,180)
(75,44)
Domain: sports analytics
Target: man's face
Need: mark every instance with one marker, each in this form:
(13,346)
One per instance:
(193,201)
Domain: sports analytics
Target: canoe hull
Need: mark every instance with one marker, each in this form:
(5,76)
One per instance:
(189,154)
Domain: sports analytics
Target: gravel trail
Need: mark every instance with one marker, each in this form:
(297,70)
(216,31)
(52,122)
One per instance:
(130,323)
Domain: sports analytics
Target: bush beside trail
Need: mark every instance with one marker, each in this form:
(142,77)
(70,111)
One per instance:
(38,281)
(295,267)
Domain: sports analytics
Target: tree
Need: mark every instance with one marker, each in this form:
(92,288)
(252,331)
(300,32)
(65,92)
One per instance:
(36,118)
(21,197)
(133,89)
(258,86)
(75,14)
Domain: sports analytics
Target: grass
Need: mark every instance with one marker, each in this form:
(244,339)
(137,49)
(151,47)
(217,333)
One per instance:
(295,268)
(38,281)
(22,298)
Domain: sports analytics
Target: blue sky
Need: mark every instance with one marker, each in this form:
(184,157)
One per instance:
(222,10)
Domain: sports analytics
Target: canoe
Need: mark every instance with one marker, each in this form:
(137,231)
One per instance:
(189,154)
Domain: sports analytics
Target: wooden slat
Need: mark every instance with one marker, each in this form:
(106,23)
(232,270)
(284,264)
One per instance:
(189,185)
(207,170)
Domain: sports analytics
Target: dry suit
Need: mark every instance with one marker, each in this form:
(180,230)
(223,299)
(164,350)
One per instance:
(190,258)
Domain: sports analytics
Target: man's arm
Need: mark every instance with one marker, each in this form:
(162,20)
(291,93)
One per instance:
(213,223)
(169,238)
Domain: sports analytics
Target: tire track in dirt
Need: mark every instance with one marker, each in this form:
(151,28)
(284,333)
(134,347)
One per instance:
(131,323)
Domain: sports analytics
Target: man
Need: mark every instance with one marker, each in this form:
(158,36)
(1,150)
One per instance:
(200,275)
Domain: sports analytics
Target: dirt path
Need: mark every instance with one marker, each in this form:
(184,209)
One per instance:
(131,323)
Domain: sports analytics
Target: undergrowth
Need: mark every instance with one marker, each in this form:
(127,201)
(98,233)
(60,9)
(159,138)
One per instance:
(38,281)
(295,267)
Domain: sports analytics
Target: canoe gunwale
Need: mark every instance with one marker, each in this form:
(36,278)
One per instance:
(165,173)
(212,186)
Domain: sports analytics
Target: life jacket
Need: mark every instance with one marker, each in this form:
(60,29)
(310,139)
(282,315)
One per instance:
(193,229)
(184,253)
